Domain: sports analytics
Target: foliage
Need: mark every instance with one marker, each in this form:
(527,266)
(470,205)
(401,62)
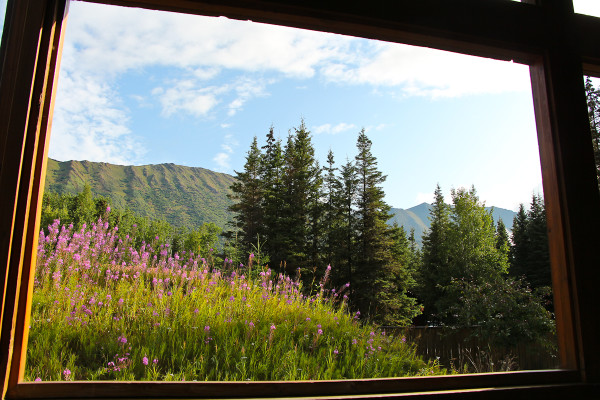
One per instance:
(435,258)
(506,310)
(530,258)
(248,196)
(593,102)
(105,310)
(382,280)
(465,262)
(311,217)
(83,209)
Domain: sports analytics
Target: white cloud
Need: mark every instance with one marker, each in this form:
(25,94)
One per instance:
(222,161)
(246,89)
(185,96)
(333,129)
(419,71)
(103,43)
(222,158)
(94,129)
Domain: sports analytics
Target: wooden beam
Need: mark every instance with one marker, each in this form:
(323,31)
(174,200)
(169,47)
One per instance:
(27,57)
(354,387)
(571,193)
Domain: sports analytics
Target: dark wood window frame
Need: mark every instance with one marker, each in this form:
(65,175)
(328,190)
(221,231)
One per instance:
(558,45)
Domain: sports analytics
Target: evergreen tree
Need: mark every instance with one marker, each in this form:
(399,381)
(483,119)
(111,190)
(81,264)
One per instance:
(272,172)
(530,257)
(593,102)
(331,210)
(248,195)
(502,240)
(301,194)
(538,258)
(520,243)
(381,280)
(435,257)
(345,235)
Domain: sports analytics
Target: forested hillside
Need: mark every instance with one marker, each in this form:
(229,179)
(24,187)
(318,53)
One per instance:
(183,196)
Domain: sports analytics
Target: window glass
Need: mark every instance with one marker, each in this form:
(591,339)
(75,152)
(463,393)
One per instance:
(2,14)
(589,7)
(155,119)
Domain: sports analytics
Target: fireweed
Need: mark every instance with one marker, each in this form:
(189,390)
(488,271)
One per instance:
(102,309)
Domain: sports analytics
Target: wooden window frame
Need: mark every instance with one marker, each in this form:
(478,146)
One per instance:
(557,44)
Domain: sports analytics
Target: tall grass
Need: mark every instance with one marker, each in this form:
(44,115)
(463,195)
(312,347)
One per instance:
(104,310)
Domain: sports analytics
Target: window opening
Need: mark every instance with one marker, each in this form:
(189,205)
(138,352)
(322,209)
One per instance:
(588,7)
(208,101)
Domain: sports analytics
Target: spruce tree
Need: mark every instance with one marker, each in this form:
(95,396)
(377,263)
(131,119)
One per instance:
(538,258)
(301,194)
(272,172)
(331,210)
(248,196)
(502,240)
(381,280)
(345,236)
(435,262)
(520,244)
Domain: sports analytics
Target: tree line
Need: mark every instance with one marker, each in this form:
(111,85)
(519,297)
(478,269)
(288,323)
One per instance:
(84,208)
(300,216)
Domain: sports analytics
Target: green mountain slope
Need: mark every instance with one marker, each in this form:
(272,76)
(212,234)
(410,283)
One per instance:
(183,196)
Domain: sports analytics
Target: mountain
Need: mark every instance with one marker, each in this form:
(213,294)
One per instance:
(183,196)
(417,217)
(187,196)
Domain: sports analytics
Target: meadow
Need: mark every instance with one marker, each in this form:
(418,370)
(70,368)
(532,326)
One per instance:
(104,310)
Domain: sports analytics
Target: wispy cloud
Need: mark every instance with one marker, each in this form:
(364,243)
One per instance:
(105,43)
(246,89)
(185,96)
(222,159)
(333,129)
(94,129)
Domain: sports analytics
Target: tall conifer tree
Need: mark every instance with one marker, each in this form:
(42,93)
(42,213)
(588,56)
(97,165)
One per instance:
(302,185)
(381,280)
(272,171)
(435,257)
(248,196)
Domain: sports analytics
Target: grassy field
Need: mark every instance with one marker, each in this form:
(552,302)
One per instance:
(103,310)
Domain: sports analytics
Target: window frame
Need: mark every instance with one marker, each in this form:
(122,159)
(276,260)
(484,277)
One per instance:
(556,43)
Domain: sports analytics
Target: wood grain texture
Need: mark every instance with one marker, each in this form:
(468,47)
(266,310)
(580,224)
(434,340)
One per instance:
(288,389)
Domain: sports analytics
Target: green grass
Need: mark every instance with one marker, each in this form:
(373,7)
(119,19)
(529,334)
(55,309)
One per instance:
(101,309)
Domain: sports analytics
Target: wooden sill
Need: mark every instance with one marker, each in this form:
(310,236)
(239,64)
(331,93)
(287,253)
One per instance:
(367,388)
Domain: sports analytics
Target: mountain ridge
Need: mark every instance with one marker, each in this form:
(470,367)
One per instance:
(187,196)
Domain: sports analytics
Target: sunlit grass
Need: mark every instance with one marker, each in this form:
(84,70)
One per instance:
(103,310)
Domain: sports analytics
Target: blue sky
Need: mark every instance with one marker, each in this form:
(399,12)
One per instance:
(143,87)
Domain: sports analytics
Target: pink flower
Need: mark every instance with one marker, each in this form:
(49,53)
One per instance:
(155,361)
(207,328)
(38,379)
(273,327)
(145,360)
(67,373)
